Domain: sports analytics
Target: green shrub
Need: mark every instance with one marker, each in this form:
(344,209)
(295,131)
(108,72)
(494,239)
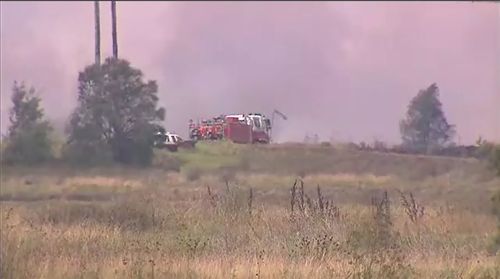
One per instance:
(30,146)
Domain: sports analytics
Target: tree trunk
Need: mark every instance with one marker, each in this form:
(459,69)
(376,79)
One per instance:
(97,34)
(113,18)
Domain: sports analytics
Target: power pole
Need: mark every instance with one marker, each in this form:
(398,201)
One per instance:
(113,18)
(97,34)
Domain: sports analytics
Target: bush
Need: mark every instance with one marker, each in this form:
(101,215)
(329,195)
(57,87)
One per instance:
(87,154)
(30,146)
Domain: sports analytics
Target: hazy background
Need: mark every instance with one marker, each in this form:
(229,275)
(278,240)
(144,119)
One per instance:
(345,71)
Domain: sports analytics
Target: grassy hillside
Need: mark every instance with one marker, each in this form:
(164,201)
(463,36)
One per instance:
(225,210)
(349,174)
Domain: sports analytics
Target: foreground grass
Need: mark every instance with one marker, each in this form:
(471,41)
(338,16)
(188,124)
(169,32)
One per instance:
(234,219)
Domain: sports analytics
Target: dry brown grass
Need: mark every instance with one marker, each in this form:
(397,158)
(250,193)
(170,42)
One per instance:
(201,242)
(126,223)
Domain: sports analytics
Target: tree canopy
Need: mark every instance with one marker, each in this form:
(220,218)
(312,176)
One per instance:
(117,114)
(425,126)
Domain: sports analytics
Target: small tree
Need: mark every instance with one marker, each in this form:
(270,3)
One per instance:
(28,140)
(425,126)
(116,115)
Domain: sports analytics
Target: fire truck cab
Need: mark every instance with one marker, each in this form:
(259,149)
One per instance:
(261,126)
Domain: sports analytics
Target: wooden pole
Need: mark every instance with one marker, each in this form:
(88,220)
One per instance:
(97,34)
(113,18)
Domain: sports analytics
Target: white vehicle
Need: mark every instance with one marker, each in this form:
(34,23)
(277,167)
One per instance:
(171,141)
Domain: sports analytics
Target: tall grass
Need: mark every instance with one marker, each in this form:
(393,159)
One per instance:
(342,221)
(227,229)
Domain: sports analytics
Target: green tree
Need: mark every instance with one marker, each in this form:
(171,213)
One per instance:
(116,115)
(425,126)
(28,140)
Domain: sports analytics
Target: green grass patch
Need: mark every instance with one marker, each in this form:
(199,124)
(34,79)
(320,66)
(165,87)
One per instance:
(210,156)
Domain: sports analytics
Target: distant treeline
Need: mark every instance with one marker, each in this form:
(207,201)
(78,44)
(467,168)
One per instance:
(118,111)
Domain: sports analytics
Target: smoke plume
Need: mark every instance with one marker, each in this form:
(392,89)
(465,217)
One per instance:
(344,71)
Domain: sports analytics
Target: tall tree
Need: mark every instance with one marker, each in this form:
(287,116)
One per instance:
(117,112)
(425,126)
(97,34)
(28,139)
(113,22)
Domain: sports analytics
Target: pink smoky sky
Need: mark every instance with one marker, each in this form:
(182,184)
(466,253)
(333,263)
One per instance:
(341,70)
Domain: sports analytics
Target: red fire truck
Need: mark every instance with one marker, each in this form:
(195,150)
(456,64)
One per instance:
(238,128)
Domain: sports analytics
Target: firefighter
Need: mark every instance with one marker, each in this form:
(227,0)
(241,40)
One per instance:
(193,131)
(191,124)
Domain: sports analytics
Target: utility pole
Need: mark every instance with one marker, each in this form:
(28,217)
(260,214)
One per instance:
(113,19)
(97,34)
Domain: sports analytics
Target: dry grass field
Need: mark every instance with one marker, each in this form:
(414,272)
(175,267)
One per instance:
(227,211)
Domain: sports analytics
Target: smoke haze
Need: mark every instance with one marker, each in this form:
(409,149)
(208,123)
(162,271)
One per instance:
(344,71)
